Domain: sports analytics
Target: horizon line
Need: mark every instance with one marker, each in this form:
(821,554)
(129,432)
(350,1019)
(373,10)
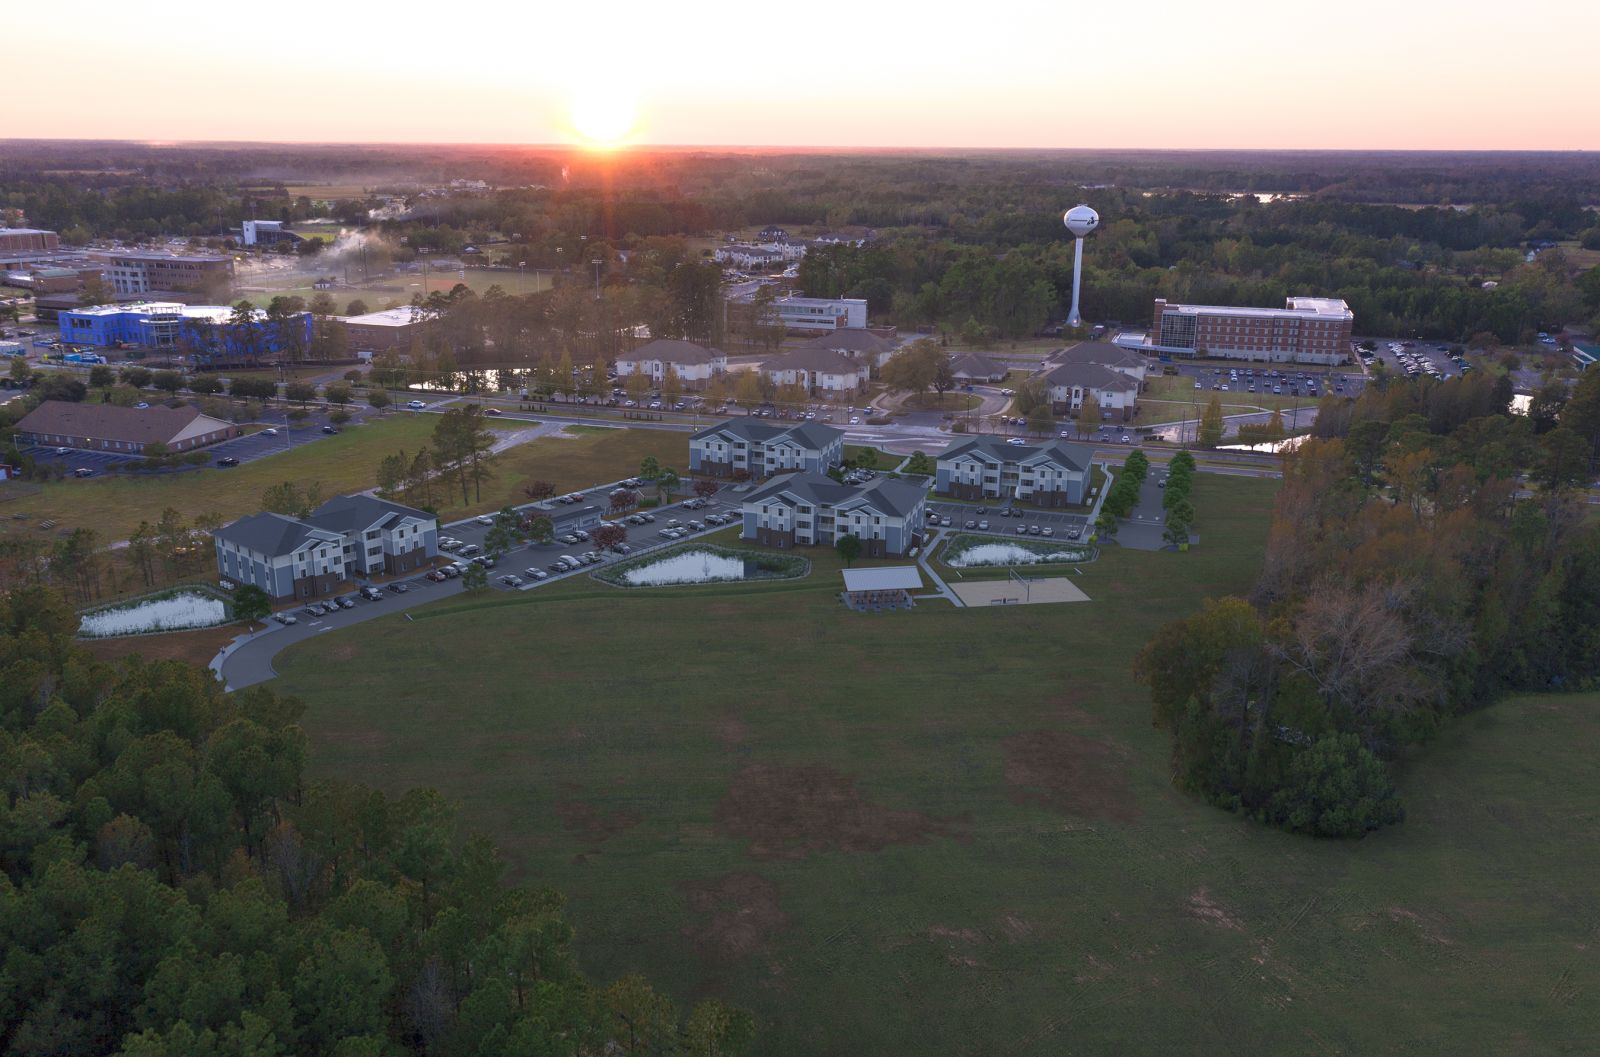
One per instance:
(626,148)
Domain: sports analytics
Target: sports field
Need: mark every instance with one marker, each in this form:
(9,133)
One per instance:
(951,831)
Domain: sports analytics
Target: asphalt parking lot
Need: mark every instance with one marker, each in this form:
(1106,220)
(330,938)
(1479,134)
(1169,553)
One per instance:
(1060,524)
(1435,352)
(74,459)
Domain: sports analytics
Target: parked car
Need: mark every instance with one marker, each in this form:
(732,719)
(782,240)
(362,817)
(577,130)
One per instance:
(1048,531)
(345,602)
(1033,530)
(983,526)
(83,471)
(285,618)
(1022,530)
(371,594)
(437,576)
(313,611)
(1074,533)
(451,572)
(226,460)
(330,429)
(511,580)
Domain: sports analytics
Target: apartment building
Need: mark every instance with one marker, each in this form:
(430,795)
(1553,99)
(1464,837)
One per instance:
(760,448)
(818,370)
(311,557)
(813,510)
(1305,330)
(1053,474)
(695,365)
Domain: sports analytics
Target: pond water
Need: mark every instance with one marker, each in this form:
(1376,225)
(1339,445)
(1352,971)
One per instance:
(1010,554)
(689,567)
(160,614)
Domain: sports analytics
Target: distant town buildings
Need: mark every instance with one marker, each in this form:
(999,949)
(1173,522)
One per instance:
(1305,330)
(129,430)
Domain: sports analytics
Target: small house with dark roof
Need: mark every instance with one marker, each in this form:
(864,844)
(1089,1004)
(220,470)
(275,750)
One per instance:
(695,365)
(760,448)
(129,430)
(976,367)
(813,510)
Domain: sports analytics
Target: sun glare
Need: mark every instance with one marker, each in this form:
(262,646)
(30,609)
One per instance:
(604,115)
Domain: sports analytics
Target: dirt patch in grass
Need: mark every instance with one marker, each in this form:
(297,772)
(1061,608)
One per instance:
(790,812)
(1069,773)
(196,647)
(733,732)
(592,825)
(1202,906)
(740,914)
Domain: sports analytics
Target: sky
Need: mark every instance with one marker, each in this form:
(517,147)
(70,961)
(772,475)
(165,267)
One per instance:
(1361,74)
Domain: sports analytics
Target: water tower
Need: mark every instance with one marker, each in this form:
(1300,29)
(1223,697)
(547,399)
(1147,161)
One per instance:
(1080,220)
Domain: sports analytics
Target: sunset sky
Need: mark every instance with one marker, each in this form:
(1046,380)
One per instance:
(1006,73)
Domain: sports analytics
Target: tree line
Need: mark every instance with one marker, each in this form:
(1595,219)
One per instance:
(1410,575)
(174,884)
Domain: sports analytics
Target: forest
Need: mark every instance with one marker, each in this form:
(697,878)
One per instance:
(1430,552)
(173,885)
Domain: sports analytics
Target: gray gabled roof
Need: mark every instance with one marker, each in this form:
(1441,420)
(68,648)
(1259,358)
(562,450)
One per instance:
(814,359)
(891,496)
(670,350)
(1072,456)
(975,365)
(810,434)
(848,339)
(355,513)
(1091,376)
(1104,353)
(273,534)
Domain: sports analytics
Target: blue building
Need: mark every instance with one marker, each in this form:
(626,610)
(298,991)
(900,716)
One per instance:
(205,333)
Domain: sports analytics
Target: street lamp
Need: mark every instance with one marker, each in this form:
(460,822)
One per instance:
(597,262)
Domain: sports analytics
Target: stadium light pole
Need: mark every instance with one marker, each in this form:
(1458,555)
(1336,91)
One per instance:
(1080,220)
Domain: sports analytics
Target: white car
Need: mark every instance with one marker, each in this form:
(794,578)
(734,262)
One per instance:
(484,519)
(416,405)
(855,421)
(269,432)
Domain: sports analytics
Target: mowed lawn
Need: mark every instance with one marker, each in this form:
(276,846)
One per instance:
(952,832)
(113,506)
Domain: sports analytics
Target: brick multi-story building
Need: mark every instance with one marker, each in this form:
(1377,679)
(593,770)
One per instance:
(139,272)
(28,241)
(1305,330)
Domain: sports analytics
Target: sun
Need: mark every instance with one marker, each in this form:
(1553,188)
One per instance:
(604,114)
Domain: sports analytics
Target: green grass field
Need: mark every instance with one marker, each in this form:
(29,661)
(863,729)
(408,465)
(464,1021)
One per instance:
(114,506)
(952,832)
